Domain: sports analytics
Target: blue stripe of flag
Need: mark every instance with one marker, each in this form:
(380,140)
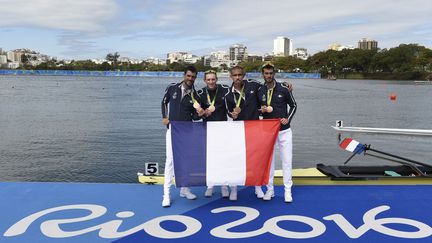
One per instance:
(189,151)
(359,148)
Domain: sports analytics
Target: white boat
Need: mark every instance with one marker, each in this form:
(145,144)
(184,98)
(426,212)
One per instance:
(423,82)
(417,132)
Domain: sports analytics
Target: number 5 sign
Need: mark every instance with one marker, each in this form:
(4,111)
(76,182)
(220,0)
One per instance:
(151,168)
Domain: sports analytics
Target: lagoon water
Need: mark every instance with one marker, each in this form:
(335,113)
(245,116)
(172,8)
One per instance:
(103,129)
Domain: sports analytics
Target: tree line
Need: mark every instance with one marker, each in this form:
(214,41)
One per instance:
(406,61)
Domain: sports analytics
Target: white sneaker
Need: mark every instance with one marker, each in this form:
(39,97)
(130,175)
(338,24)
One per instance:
(268,195)
(209,192)
(185,192)
(233,194)
(224,191)
(166,201)
(288,197)
(259,192)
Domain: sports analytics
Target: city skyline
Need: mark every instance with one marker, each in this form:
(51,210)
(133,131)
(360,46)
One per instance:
(78,29)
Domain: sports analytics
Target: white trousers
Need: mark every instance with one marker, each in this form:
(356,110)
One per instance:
(284,145)
(169,164)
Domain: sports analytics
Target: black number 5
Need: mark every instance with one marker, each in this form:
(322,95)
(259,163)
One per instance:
(151,168)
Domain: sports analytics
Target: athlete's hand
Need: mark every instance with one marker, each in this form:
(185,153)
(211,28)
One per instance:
(234,115)
(263,109)
(207,112)
(284,121)
(165,121)
(289,86)
(200,111)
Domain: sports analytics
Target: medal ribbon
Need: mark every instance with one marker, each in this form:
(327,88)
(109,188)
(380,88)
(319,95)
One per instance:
(193,98)
(212,103)
(269,96)
(239,100)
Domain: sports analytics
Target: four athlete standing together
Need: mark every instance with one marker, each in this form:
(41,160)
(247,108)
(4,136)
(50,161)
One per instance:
(244,100)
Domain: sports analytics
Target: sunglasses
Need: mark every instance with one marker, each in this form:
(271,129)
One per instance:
(210,71)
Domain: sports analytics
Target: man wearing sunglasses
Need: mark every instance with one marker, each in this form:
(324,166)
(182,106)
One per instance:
(213,103)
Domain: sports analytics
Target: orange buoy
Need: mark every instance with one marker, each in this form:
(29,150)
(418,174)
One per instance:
(393,96)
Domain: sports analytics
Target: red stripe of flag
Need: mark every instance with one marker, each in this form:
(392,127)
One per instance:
(345,143)
(260,136)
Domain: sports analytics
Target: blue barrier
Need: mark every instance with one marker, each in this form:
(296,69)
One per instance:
(141,74)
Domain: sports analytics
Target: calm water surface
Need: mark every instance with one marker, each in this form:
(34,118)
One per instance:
(103,129)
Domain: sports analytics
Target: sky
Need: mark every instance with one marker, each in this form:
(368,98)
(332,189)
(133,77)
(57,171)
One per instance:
(86,29)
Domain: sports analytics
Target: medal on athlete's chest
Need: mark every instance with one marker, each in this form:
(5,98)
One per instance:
(269,108)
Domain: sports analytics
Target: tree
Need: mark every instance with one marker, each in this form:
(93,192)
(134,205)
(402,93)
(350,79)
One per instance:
(254,66)
(288,64)
(113,58)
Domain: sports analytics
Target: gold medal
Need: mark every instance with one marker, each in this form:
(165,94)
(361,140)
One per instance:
(196,105)
(269,109)
(212,102)
(237,109)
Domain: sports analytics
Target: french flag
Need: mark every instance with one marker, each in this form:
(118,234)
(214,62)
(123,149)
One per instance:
(223,152)
(352,145)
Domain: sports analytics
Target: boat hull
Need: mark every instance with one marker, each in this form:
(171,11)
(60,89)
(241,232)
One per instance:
(313,176)
(416,132)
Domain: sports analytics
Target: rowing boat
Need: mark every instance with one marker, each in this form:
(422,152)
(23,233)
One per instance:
(337,175)
(418,132)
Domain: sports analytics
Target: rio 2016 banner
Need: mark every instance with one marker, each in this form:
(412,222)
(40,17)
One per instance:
(132,213)
(192,226)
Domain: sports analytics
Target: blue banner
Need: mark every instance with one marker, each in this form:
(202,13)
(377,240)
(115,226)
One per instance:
(140,74)
(83,212)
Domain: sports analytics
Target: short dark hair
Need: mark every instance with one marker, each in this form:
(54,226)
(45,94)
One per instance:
(239,68)
(190,68)
(267,65)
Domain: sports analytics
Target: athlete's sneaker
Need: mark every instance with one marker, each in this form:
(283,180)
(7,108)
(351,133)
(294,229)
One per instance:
(268,195)
(185,192)
(166,201)
(224,191)
(288,197)
(233,194)
(259,192)
(209,192)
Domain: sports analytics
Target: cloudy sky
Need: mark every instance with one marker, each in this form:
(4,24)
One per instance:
(80,29)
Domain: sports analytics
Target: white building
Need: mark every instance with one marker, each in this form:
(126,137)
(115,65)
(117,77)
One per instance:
(301,53)
(238,53)
(367,44)
(96,61)
(190,58)
(339,47)
(182,57)
(175,56)
(282,46)
(11,56)
(219,55)
(3,59)
(13,65)
(157,61)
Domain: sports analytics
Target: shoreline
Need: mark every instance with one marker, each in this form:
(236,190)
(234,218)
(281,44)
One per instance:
(140,73)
